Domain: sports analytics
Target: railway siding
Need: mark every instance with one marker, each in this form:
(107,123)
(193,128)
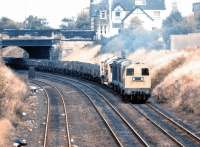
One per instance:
(56,133)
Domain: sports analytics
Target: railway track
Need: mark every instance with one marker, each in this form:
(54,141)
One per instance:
(174,120)
(57,128)
(175,131)
(184,129)
(123,132)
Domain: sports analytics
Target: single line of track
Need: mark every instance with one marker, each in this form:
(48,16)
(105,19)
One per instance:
(41,85)
(47,116)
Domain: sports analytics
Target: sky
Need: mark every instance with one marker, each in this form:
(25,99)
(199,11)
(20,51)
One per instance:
(56,10)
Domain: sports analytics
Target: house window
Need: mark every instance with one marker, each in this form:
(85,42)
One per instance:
(157,14)
(140,2)
(117,14)
(103,15)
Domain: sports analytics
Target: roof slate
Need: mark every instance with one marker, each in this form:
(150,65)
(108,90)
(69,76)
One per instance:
(154,5)
(127,5)
(135,10)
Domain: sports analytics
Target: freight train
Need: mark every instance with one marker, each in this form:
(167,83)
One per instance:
(130,79)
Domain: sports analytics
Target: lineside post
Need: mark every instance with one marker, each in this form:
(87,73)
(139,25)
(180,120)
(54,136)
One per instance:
(31,72)
(1,54)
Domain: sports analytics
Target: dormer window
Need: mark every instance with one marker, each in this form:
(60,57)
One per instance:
(103,15)
(140,2)
(118,14)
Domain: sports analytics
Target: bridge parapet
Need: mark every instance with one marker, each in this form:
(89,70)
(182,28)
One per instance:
(72,35)
(28,42)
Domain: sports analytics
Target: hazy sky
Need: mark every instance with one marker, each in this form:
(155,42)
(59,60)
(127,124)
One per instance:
(55,10)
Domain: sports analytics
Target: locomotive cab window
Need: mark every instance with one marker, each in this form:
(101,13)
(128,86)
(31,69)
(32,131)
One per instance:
(145,71)
(130,72)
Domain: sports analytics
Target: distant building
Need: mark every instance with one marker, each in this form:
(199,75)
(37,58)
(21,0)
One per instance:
(196,8)
(109,16)
(185,41)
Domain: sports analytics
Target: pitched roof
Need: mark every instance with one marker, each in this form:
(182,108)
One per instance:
(154,5)
(134,10)
(127,5)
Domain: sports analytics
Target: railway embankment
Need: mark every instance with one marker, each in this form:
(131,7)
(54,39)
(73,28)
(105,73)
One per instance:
(13,91)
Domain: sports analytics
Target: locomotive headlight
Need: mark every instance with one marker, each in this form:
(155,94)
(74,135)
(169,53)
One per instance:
(138,79)
(142,78)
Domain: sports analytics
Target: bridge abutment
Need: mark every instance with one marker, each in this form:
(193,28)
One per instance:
(55,52)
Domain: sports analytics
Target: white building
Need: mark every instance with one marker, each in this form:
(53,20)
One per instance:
(109,16)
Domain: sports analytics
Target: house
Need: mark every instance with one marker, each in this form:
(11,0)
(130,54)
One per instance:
(108,17)
(196,8)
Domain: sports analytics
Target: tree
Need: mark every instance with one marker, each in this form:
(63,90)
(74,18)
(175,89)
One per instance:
(68,23)
(6,23)
(33,22)
(83,21)
(174,18)
(175,24)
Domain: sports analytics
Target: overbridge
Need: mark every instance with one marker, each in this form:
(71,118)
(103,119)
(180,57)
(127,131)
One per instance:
(36,48)
(43,44)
